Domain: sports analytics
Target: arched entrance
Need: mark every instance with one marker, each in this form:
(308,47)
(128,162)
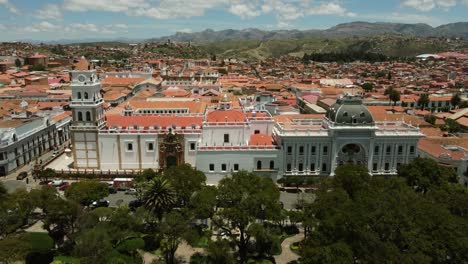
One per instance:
(171,150)
(171,161)
(352,154)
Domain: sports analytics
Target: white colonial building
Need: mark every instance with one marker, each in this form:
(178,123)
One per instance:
(224,138)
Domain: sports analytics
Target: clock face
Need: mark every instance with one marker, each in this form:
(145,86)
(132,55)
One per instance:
(81,78)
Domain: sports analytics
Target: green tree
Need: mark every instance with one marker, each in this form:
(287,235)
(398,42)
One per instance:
(85,192)
(173,229)
(422,174)
(452,126)
(455,100)
(423,101)
(203,202)
(160,197)
(185,180)
(368,86)
(47,174)
(93,246)
(219,252)
(380,220)
(244,197)
(431,119)
(18,63)
(394,96)
(351,178)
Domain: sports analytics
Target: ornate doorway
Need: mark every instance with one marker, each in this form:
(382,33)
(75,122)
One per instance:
(352,153)
(171,161)
(171,150)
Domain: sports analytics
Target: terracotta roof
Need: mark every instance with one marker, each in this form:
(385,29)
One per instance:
(261,139)
(61,116)
(151,121)
(226,116)
(111,80)
(435,149)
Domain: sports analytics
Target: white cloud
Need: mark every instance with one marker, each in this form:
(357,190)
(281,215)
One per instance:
(104,5)
(427,5)
(75,28)
(244,10)
(283,10)
(9,6)
(43,26)
(49,11)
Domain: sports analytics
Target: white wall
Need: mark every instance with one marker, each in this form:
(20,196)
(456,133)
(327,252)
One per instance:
(245,159)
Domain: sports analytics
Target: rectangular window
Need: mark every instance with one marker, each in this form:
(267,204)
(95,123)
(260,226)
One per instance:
(301,150)
(312,166)
(301,167)
(223,167)
(411,150)
(313,150)
(387,166)
(150,146)
(325,149)
(226,138)
(212,167)
(400,149)
(374,166)
(389,150)
(288,167)
(324,167)
(257,131)
(289,150)
(236,167)
(192,145)
(376,150)
(129,146)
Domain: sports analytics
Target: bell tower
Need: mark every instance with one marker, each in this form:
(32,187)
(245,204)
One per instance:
(88,118)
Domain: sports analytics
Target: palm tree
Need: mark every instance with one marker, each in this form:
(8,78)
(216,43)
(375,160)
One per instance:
(160,196)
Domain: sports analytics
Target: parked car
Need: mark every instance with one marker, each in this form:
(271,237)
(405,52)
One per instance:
(133,205)
(131,191)
(112,190)
(57,183)
(22,175)
(99,203)
(64,186)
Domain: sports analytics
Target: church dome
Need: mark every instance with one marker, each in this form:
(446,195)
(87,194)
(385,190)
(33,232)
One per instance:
(349,110)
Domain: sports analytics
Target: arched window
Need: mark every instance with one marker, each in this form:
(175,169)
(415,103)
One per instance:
(88,116)
(272,164)
(85,95)
(80,116)
(259,165)
(79,95)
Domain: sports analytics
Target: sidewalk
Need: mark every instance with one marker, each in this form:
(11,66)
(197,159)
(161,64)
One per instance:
(28,167)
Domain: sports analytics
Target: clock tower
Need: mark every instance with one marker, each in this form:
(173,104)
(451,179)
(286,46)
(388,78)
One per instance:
(88,118)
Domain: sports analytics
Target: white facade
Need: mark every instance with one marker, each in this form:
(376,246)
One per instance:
(225,140)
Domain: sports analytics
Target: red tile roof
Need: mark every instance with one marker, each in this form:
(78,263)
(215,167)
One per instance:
(261,140)
(149,121)
(226,116)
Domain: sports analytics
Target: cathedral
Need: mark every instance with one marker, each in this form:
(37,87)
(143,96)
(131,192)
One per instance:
(224,138)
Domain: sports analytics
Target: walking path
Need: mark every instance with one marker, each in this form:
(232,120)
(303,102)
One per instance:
(287,255)
(185,251)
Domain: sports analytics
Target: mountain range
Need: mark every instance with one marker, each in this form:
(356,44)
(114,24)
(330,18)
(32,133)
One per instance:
(452,30)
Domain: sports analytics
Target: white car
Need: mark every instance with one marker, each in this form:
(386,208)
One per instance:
(131,191)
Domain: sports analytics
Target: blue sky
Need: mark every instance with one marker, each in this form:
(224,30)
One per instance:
(107,19)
